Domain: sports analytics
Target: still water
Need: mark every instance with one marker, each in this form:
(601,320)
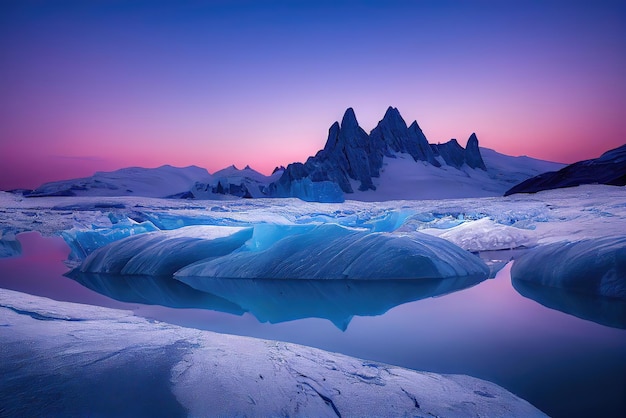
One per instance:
(564,365)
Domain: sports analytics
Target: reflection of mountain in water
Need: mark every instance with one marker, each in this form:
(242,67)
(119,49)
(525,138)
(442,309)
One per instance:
(283,300)
(599,309)
(153,290)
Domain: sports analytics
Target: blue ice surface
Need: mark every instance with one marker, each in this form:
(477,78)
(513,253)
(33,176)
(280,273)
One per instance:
(319,191)
(593,266)
(159,254)
(9,246)
(83,242)
(330,251)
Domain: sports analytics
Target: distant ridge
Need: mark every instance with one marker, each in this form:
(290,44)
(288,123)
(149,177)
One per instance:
(609,168)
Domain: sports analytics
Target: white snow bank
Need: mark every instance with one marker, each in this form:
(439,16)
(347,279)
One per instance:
(593,266)
(56,360)
(485,235)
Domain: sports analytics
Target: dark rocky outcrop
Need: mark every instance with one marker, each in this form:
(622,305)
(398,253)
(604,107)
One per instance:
(351,154)
(609,168)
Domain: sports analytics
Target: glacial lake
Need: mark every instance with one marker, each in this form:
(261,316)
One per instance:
(564,365)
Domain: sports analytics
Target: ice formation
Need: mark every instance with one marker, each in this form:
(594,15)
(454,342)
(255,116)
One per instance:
(9,245)
(486,235)
(334,252)
(164,252)
(591,266)
(144,368)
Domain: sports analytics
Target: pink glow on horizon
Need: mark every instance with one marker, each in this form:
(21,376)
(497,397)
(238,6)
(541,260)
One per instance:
(105,87)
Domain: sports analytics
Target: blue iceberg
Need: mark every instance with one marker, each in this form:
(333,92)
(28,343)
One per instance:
(333,252)
(592,266)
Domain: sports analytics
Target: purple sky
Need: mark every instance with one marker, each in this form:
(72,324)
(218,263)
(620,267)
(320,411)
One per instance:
(100,85)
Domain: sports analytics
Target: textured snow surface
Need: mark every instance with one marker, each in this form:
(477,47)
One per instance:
(593,266)
(571,214)
(78,360)
(486,235)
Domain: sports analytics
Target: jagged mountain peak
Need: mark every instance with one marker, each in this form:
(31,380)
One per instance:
(349,119)
(351,154)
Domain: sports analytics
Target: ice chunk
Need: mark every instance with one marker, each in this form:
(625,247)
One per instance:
(592,266)
(83,242)
(9,245)
(334,252)
(164,252)
(486,235)
(55,362)
(316,191)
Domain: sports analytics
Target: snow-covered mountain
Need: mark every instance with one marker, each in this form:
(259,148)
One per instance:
(393,162)
(609,168)
(396,162)
(232,181)
(133,181)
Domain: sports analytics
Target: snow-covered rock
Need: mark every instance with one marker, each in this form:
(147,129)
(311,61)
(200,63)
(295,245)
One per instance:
(485,235)
(591,266)
(609,168)
(66,359)
(232,181)
(352,159)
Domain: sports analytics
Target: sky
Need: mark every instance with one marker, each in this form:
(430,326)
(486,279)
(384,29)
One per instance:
(96,85)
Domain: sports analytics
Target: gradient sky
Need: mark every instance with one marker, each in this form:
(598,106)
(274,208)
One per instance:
(100,85)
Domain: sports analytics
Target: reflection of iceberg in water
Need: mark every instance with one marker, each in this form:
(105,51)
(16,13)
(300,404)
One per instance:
(153,290)
(280,300)
(602,310)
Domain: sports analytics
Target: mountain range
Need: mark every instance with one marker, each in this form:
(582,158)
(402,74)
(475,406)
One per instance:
(394,161)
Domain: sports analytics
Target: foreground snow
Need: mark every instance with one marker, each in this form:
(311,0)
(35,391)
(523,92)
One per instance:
(61,358)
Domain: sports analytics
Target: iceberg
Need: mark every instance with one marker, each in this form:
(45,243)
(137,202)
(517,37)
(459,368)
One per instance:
(55,362)
(334,252)
(9,245)
(83,242)
(486,235)
(164,252)
(591,266)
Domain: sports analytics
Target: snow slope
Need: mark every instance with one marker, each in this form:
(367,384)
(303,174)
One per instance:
(403,178)
(133,181)
(144,368)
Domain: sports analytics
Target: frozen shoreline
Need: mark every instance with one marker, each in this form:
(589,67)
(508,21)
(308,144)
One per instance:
(66,358)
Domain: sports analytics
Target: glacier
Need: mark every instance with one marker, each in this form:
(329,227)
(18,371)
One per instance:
(56,352)
(592,266)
